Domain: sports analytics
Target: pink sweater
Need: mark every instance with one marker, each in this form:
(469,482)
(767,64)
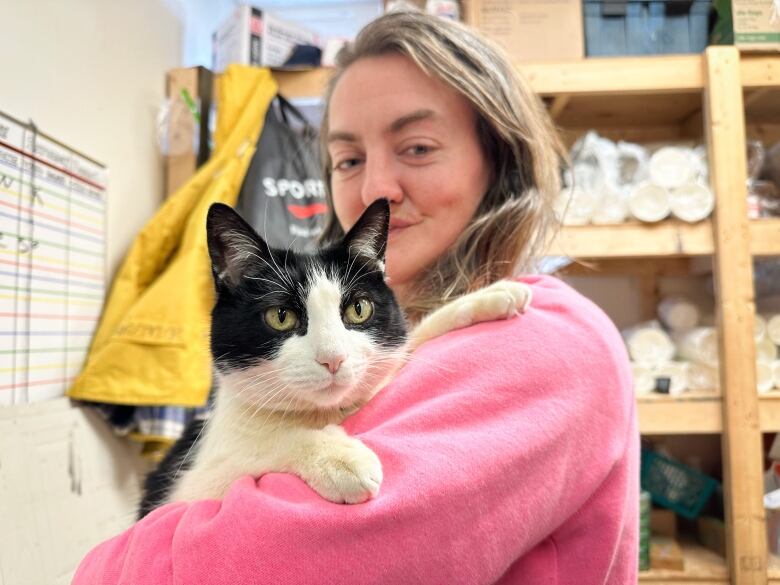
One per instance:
(510,454)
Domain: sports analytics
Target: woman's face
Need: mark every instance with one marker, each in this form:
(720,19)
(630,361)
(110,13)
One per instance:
(396,133)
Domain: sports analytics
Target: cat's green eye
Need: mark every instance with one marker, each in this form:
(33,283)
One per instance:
(358,311)
(281,318)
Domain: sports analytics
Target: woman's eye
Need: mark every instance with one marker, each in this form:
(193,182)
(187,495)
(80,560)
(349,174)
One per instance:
(281,318)
(419,150)
(359,311)
(346,164)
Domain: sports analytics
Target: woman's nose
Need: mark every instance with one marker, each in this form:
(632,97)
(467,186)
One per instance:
(381,181)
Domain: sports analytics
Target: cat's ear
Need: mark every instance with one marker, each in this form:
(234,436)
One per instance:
(368,237)
(233,245)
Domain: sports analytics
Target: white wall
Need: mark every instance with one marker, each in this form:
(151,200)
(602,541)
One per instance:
(90,73)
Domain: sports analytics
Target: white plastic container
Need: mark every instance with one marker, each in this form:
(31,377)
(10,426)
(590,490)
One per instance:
(678,313)
(702,378)
(766,351)
(648,344)
(677,372)
(644,381)
(576,206)
(611,210)
(672,167)
(764,380)
(773,327)
(759,327)
(649,202)
(699,345)
(776,373)
(691,202)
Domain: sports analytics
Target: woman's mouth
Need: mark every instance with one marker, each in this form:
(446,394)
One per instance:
(397,227)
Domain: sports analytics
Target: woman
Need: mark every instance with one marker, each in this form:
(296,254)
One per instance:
(510,449)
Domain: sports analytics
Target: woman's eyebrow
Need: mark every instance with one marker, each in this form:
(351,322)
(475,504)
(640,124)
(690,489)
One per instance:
(341,137)
(394,127)
(404,121)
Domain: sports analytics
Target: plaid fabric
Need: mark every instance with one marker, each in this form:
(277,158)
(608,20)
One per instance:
(157,425)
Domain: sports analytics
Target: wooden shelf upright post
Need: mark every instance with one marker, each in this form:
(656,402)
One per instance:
(733,268)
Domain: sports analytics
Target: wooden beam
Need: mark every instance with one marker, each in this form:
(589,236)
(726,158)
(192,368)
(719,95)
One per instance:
(741,437)
(632,240)
(760,71)
(765,237)
(558,105)
(299,84)
(664,415)
(669,73)
(661,266)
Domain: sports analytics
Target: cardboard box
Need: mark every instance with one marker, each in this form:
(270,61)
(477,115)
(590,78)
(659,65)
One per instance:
(665,553)
(251,36)
(712,534)
(751,25)
(187,138)
(531,31)
(663,523)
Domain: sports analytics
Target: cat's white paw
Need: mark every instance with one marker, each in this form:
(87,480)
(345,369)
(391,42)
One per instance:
(500,300)
(345,470)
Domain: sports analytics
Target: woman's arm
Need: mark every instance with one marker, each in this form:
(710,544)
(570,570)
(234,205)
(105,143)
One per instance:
(490,439)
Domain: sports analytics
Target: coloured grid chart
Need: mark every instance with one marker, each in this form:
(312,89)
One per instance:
(52,261)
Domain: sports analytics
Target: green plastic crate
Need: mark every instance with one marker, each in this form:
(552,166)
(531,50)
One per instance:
(675,485)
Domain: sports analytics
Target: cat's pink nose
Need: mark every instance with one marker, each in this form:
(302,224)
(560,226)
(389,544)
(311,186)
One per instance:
(332,362)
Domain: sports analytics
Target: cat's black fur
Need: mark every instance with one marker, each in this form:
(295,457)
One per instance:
(249,284)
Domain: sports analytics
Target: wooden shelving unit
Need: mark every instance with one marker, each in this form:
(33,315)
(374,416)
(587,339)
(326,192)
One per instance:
(774,570)
(722,96)
(690,414)
(664,239)
(702,567)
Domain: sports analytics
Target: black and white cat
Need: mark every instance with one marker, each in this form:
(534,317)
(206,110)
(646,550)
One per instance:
(299,342)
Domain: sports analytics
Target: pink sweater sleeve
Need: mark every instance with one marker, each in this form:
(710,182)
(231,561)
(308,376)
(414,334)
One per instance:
(500,444)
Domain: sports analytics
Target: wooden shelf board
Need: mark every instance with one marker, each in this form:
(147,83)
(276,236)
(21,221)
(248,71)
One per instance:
(660,74)
(687,414)
(702,566)
(769,414)
(765,236)
(615,92)
(624,75)
(759,71)
(643,113)
(631,240)
(666,238)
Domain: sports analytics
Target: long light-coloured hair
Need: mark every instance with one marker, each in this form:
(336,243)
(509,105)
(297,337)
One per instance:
(515,218)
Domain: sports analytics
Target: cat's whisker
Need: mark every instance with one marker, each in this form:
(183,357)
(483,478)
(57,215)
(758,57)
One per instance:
(358,274)
(271,411)
(361,275)
(249,387)
(287,251)
(187,455)
(283,277)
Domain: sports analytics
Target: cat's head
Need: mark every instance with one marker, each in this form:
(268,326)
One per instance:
(303,332)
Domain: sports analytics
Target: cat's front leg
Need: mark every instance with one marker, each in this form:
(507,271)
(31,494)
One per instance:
(204,483)
(499,300)
(338,467)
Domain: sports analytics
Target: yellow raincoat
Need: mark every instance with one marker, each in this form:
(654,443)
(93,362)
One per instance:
(152,344)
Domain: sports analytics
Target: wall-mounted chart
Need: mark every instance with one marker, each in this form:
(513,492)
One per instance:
(52,261)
